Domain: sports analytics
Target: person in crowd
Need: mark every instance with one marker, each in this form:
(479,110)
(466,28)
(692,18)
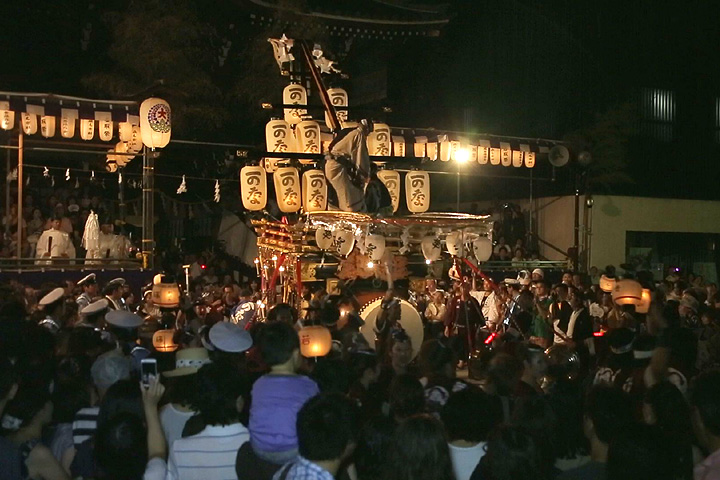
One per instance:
(435,314)
(512,453)
(560,312)
(364,370)
(89,291)
(401,356)
(534,369)
(22,423)
(113,293)
(462,318)
(374,439)
(244,312)
(541,326)
(419,451)
(279,395)
(437,365)
(638,452)
(181,387)
(54,243)
(406,398)
(53,305)
(326,431)
(469,416)
(705,403)
(219,400)
(503,254)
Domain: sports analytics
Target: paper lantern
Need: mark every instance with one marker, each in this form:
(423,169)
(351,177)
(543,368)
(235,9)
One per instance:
(505,154)
(417,191)
(29,123)
(166,295)
(627,292)
(122,160)
(482,248)
(444,148)
(454,244)
(287,189)
(517,158)
(343,241)
(155,123)
(278,136)
(455,147)
(125,131)
(483,150)
(324,238)
(271,164)
(529,159)
(325,141)
(391,180)
(375,247)
(253,187)
(111,163)
(646,299)
(68,116)
(419,147)
(307,134)
(315,341)
(431,150)
(294,94)
(105,125)
(398,143)
(494,156)
(315,191)
(431,248)
(135,143)
(163,341)
(339,99)
(607,284)
(7,116)
(379,141)
(47,126)
(87,129)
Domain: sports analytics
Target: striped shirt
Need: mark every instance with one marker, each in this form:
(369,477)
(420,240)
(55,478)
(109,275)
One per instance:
(209,455)
(84,424)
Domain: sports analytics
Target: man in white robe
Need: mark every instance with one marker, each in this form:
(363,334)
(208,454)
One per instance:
(54,244)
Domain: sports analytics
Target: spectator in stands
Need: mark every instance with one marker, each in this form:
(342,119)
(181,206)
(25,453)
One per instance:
(419,451)
(326,431)
(279,395)
(469,415)
(705,401)
(210,455)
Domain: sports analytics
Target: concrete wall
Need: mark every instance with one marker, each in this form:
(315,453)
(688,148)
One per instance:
(612,217)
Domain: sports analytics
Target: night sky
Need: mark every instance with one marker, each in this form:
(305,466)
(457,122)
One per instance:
(541,69)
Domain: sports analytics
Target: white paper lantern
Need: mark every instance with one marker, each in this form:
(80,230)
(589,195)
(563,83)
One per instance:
(314,189)
(343,241)
(398,145)
(391,180)
(7,116)
(419,147)
(278,136)
(339,99)
(482,249)
(494,156)
(47,126)
(431,150)
(125,131)
(111,166)
(517,159)
(29,123)
(105,125)
(135,144)
(307,134)
(444,148)
(431,247)
(454,244)
(607,284)
(68,116)
(375,247)
(294,94)
(417,191)
(155,122)
(253,187)
(287,189)
(455,147)
(379,141)
(483,152)
(505,154)
(627,292)
(324,238)
(530,159)
(87,129)
(271,164)
(122,160)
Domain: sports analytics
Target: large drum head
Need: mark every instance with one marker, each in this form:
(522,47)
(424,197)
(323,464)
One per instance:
(409,320)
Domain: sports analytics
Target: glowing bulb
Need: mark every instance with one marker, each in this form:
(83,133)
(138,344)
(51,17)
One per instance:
(282,268)
(370,264)
(343,313)
(428,261)
(257,261)
(274,258)
(260,304)
(462,155)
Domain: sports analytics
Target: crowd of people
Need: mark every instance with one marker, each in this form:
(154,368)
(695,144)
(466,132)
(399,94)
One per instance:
(560,383)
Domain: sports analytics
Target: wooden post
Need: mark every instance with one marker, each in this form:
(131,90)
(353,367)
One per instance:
(20,195)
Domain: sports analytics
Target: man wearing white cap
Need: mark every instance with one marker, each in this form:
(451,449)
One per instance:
(537,275)
(94,314)
(53,305)
(125,327)
(89,286)
(113,292)
(53,244)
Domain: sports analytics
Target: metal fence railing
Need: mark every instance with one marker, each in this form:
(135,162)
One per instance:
(20,265)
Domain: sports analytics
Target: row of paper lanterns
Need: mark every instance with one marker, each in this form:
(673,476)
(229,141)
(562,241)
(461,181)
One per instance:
(627,292)
(343,240)
(309,139)
(312,193)
(153,128)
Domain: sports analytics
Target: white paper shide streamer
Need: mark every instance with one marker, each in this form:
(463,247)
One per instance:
(91,236)
(183,186)
(217,191)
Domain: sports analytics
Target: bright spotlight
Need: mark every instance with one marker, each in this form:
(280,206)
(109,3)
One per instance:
(370,264)
(462,155)
(428,261)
